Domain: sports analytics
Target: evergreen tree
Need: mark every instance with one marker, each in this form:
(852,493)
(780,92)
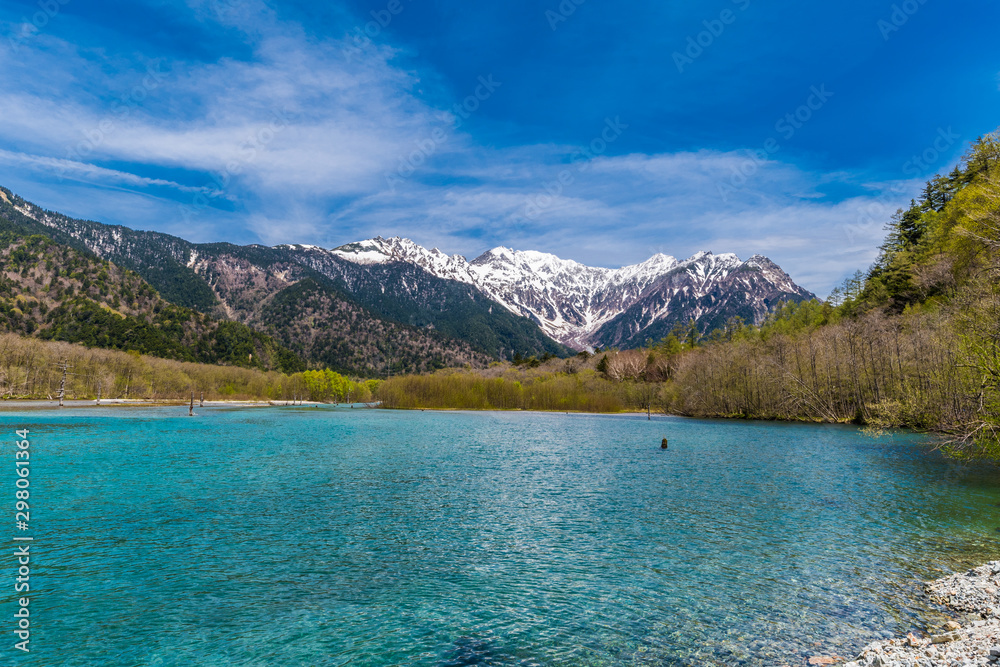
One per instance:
(603,365)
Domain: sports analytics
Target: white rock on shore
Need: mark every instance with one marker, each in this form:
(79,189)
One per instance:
(976,643)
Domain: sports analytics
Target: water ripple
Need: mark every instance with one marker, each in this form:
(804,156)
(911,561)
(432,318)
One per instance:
(347,537)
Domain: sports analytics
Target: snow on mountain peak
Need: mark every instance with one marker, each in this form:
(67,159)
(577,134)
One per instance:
(568,300)
(397,249)
(653,267)
(372,251)
(760,261)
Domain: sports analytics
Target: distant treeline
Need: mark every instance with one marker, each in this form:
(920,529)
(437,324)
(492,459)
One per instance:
(871,369)
(33,369)
(574,387)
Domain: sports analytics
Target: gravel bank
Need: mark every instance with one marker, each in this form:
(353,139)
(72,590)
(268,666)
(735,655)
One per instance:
(972,640)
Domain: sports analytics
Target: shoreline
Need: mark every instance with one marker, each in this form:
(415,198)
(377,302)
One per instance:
(146,402)
(175,402)
(971,640)
(42,403)
(264,403)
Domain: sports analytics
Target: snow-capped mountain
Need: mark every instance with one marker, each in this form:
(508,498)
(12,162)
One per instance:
(583,306)
(503,304)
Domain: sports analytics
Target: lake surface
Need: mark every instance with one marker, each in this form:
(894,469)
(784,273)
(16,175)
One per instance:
(322,536)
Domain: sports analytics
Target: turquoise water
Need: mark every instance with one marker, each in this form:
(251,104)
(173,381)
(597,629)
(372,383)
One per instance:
(298,536)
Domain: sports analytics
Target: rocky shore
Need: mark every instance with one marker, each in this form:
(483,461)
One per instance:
(972,639)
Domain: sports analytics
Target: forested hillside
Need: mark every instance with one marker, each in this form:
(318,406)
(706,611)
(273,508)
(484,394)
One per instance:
(157,258)
(55,292)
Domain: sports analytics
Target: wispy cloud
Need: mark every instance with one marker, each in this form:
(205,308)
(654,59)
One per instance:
(74,170)
(292,141)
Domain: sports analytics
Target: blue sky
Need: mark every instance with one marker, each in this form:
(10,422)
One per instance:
(600,132)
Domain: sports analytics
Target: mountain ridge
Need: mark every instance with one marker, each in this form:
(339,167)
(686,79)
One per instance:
(504,303)
(573,303)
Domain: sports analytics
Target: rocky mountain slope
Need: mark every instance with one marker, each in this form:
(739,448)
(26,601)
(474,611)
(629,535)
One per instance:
(583,306)
(503,304)
(406,292)
(55,292)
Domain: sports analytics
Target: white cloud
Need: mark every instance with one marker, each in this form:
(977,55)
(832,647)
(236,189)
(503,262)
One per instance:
(297,116)
(74,170)
(297,140)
